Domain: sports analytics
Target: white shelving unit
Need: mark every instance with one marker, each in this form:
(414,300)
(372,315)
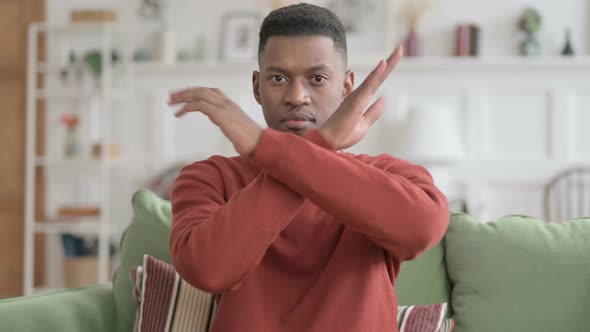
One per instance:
(114,85)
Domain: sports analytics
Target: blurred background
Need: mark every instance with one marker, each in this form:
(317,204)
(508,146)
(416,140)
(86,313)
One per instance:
(492,97)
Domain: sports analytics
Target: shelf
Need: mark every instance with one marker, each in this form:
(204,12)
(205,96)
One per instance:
(370,61)
(72,95)
(109,90)
(79,226)
(44,68)
(493,63)
(74,28)
(153,67)
(82,163)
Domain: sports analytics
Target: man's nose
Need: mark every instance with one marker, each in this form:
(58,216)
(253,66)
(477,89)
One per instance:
(297,94)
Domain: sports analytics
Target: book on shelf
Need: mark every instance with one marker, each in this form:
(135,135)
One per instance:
(467,38)
(78,211)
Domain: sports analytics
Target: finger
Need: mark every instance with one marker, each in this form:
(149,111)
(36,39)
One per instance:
(360,97)
(392,62)
(196,106)
(193,94)
(375,111)
(175,95)
(218,91)
(372,81)
(398,53)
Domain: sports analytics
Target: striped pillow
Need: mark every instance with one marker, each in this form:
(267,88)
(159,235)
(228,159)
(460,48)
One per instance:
(424,318)
(448,325)
(166,302)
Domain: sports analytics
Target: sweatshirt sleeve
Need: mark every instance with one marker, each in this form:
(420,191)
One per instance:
(216,240)
(391,201)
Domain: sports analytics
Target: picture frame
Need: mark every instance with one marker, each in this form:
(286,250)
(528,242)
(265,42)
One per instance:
(239,36)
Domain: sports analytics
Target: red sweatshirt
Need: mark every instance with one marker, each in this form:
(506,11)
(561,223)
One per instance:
(299,237)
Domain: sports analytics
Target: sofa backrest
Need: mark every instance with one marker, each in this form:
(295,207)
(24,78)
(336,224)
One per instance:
(148,233)
(518,273)
(424,280)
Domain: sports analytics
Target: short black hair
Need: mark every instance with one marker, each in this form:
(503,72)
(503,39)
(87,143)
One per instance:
(303,19)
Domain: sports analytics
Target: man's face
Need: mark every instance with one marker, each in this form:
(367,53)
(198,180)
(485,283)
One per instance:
(302,81)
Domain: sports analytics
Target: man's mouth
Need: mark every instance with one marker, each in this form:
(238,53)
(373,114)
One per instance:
(297,120)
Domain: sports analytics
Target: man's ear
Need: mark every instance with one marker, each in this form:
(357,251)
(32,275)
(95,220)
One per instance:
(256,86)
(348,83)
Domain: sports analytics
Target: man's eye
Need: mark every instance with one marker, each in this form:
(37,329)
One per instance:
(319,79)
(278,78)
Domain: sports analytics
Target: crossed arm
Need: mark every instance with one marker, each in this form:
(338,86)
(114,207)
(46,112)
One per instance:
(214,244)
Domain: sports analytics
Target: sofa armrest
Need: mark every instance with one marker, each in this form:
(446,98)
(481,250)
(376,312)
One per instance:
(82,309)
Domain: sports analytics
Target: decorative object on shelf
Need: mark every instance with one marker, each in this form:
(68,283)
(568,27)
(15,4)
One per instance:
(166,45)
(151,9)
(366,24)
(530,23)
(71,146)
(411,44)
(142,54)
(183,56)
(163,41)
(93,59)
(467,40)
(568,49)
(73,245)
(73,73)
(81,260)
(93,16)
(113,152)
(80,271)
(432,138)
(239,36)
(413,13)
(199,54)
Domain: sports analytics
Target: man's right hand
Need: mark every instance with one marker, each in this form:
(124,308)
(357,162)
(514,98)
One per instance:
(349,123)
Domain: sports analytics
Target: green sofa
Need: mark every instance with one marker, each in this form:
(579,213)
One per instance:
(511,274)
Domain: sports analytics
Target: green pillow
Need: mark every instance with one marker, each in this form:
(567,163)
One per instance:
(148,233)
(424,280)
(519,274)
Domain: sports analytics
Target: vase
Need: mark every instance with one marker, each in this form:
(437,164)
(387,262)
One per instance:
(411,44)
(568,49)
(72,146)
(530,46)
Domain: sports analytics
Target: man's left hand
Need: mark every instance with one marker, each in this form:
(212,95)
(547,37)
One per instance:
(351,121)
(235,124)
